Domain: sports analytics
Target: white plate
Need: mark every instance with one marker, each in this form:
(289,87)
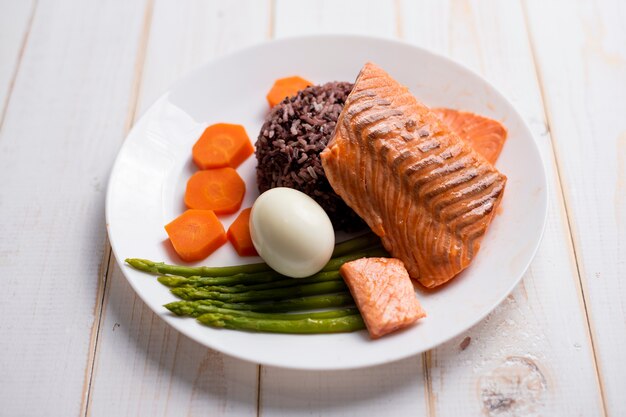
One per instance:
(148,181)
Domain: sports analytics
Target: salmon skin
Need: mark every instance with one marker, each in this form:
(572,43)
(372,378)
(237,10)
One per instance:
(384,294)
(417,184)
(486,136)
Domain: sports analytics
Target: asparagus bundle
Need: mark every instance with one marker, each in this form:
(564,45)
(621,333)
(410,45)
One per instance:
(255,298)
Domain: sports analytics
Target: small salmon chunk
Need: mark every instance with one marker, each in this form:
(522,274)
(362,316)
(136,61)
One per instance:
(383,293)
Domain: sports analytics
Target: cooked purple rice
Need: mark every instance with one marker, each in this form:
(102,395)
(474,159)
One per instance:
(289,144)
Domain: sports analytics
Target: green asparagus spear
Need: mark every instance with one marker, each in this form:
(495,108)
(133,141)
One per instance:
(262,295)
(238,279)
(201,309)
(172,281)
(186,271)
(308,325)
(187,308)
(359,243)
(356,244)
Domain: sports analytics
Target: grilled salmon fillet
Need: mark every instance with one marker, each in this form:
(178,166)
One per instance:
(384,294)
(485,135)
(417,184)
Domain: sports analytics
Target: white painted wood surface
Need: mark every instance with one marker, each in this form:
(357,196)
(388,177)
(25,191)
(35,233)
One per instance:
(76,340)
(582,70)
(61,131)
(14,28)
(529,336)
(167,373)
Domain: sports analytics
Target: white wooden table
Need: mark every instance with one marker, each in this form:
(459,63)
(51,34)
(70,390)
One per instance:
(74,338)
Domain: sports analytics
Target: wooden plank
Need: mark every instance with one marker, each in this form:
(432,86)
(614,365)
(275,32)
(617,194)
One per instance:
(366,17)
(61,131)
(15,22)
(164,372)
(532,355)
(582,69)
(397,388)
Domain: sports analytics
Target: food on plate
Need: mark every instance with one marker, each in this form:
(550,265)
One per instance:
(225,296)
(291,232)
(290,141)
(200,309)
(298,129)
(197,308)
(193,293)
(239,234)
(343,324)
(383,293)
(220,190)
(335,156)
(244,284)
(425,192)
(486,136)
(196,234)
(286,87)
(222,145)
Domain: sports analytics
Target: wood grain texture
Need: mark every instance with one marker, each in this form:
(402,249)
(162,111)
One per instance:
(61,131)
(304,17)
(395,389)
(75,75)
(15,22)
(582,69)
(163,372)
(398,388)
(532,355)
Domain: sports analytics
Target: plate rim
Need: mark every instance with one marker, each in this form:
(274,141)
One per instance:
(327,37)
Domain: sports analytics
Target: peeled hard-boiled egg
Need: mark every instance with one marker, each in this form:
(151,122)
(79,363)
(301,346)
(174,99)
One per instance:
(291,232)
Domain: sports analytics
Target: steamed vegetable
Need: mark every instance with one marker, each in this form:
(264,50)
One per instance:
(286,87)
(239,234)
(253,297)
(201,309)
(196,234)
(220,190)
(173,281)
(262,295)
(303,326)
(222,145)
(195,308)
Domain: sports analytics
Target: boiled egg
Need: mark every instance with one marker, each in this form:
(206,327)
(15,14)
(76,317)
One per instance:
(291,232)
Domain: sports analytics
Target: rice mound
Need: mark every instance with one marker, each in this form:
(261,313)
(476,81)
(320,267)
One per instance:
(291,139)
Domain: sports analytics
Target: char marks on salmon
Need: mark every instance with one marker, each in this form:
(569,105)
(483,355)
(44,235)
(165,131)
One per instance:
(417,184)
(486,136)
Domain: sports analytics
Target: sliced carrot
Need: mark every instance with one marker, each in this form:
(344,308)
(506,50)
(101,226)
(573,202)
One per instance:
(222,145)
(286,87)
(239,234)
(196,234)
(485,135)
(220,190)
